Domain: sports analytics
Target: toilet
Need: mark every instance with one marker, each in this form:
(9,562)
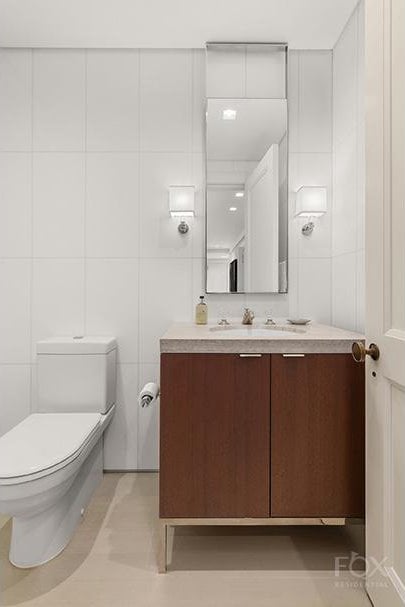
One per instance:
(52,461)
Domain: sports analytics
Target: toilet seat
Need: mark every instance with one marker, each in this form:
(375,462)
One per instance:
(43,443)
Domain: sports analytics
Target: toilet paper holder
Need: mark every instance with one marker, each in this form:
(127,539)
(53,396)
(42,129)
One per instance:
(149,393)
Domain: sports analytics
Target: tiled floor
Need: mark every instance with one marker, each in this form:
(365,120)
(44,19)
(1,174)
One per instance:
(111,561)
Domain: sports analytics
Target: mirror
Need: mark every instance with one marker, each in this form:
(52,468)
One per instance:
(246,198)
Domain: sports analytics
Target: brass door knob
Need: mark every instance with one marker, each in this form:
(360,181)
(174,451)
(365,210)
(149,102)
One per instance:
(359,351)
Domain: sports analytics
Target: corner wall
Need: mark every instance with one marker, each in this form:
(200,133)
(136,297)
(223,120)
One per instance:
(348,212)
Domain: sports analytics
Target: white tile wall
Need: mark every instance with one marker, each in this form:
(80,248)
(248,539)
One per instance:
(98,251)
(112,204)
(112,288)
(344,289)
(59,93)
(237,72)
(57,299)
(15,99)
(310,163)
(166,97)
(15,207)
(165,290)
(15,281)
(113,100)
(121,439)
(58,204)
(15,388)
(348,214)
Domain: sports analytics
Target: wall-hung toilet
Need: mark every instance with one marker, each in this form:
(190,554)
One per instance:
(52,461)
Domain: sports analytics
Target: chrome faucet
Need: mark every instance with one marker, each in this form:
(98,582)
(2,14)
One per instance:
(248,317)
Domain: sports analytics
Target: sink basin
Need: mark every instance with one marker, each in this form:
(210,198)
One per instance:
(269,332)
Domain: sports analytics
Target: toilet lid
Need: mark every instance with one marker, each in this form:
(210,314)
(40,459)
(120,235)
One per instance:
(44,440)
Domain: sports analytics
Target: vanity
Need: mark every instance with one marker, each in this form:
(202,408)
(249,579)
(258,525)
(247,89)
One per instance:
(260,425)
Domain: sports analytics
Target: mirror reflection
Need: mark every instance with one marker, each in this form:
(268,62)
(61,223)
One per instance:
(246,195)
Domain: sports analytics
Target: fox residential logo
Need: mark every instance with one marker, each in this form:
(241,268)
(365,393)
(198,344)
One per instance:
(363,571)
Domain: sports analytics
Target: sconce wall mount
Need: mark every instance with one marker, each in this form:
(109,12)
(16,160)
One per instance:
(181,204)
(311,202)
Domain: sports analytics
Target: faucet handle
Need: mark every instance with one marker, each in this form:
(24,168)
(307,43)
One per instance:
(248,316)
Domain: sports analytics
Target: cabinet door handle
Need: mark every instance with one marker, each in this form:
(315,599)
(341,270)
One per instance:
(250,355)
(293,355)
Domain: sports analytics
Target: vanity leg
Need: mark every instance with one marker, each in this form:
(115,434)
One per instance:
(162,556)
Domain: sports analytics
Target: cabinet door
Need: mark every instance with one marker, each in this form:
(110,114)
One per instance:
(214,435)
(317,436)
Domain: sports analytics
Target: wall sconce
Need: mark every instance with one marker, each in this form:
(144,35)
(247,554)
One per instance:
(310,202)
(181,204)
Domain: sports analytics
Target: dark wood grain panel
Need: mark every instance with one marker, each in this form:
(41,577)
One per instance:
(215,436)
(317,436)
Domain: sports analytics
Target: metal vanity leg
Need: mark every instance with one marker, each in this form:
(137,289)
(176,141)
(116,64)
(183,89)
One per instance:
(162,556)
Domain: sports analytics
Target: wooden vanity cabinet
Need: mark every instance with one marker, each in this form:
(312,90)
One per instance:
(317,436)
(214,435)
(261,436)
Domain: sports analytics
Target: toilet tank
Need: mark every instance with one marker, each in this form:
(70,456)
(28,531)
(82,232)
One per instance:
(76,374)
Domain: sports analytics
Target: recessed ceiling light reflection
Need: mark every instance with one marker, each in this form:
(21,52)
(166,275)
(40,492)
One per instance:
(229,114)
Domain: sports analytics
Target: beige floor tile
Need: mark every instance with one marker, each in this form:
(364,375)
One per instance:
(111,561)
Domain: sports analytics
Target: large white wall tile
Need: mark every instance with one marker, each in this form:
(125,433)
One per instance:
(15,394)
(15,205)
(349,175)
(15,301)
(199,100)
(58,299)
(345,80)
(265,73)
(198,222)
(360,291)
(165,290)
(293,101)
(148,422)
(315,102)
(15,99)
(58,204)
(166,100)
(314,289)
(344,291)
(267,305)
(226,73)
(113,100)
(59,100)
(112,303)
(112,206)
(345,200)
(158,235)
(120,440)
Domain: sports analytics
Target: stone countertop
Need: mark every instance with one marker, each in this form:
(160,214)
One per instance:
(283,338)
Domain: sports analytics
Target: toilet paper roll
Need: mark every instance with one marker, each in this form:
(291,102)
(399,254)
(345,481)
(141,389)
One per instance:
(148,394)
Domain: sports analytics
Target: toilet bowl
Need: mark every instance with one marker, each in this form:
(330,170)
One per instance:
(51,462)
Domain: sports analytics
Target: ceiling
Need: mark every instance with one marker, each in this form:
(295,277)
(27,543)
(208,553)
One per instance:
(310,24)
(224,227)
(258,124)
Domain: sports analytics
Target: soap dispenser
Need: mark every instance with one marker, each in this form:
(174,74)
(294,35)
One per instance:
(201,312)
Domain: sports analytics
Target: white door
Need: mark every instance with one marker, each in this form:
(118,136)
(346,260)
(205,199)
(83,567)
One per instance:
(261,225)
(385,303)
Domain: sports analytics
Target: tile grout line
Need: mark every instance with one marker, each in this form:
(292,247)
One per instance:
(138,367)
(31,331)
(84,235)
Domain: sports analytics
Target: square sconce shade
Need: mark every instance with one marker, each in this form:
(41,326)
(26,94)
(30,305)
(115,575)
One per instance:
(311,201)
(181,200)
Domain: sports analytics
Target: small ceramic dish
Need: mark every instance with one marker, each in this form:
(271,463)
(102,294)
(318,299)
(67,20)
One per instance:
(298,321)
